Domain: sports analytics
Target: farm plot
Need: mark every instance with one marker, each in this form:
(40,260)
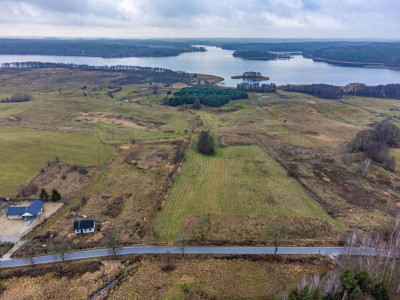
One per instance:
(240,180)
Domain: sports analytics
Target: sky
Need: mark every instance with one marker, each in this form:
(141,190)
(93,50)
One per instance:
(353,19)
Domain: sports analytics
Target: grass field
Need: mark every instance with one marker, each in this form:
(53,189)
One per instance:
(24,151)
(240,180)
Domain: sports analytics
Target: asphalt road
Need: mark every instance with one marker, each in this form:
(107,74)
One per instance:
(9,263)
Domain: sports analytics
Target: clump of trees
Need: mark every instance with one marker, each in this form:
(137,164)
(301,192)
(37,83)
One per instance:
(326,91)
(214,97)
(206,143)
(44,196)
(336,286)
(375,143)
(256,87)
(251,75)
(27,190)
(18,97)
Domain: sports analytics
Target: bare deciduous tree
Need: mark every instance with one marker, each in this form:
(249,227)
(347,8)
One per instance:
(364,166)
(112,240)
(203,224)
(180,241)
(154,230)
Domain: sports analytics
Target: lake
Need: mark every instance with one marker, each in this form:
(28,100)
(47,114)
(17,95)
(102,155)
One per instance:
(220,62)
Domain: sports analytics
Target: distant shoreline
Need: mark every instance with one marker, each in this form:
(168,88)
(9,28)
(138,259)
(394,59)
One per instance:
(352,64)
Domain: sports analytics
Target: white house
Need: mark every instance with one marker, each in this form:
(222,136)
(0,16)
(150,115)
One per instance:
(84,226)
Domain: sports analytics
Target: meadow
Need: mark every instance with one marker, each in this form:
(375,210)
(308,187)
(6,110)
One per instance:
(24,151)
(239,180)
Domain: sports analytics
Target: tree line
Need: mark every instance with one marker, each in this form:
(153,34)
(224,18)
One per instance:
(135,74)
(336,92)
(320,90)
(256,87)
(214,97)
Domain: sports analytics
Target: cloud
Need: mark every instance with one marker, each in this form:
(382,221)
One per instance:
(201,18)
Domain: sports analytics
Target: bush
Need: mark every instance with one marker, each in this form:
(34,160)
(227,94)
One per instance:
(206,143)
(55,196)
(380,292)
(44,196)
(390,164)
(293,170)
(18,97)
(180,155)
(27,190)
(168,262)
(114,208)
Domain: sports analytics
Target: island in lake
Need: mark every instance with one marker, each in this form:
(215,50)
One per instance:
(256,76)
(260,55)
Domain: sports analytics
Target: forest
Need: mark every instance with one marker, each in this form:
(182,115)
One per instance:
(214,97)
(385,54)
(96,48)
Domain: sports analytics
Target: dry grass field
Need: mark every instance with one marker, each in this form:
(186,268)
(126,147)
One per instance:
(77,280)
(213,278)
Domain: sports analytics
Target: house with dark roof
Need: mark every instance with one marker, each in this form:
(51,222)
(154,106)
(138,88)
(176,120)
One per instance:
(84,226)
(25,212)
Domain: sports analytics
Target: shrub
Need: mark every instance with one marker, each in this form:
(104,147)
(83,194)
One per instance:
(168,262)
(206,143)
(114,208)
(380,292)
(44,196)
(180,155)
(18,97)
(390,164)
(55,196)
(293,170)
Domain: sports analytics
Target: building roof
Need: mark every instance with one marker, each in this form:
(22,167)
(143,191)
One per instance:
(33,209)
(83,224)
(16,210)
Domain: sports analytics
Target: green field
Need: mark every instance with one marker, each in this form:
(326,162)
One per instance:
(241,180)
(24,151)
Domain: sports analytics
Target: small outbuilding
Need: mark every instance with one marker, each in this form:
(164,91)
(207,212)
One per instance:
(25,212)
(84,226)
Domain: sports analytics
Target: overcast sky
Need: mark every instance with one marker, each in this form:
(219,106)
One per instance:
(364,19)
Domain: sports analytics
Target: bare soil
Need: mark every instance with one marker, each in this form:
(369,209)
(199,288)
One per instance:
(116,119)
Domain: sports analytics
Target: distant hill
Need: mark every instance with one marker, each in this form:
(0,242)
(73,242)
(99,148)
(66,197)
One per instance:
(97,48)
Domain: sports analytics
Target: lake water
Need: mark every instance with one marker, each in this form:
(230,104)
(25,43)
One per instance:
(220,62)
